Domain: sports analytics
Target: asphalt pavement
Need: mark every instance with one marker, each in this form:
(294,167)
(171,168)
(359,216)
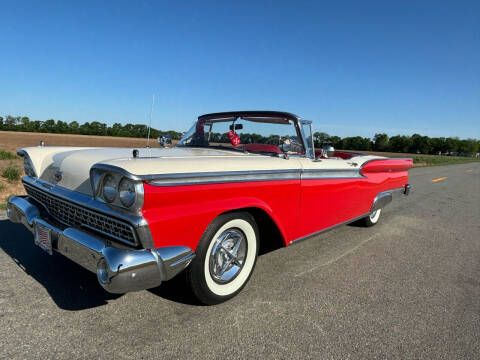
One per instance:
(406,288)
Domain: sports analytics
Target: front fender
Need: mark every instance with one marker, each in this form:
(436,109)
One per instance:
(179,215)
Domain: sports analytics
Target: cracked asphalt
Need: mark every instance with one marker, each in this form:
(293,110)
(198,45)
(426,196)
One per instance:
(406,288)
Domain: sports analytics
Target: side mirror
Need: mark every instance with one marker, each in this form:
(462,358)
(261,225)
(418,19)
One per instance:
(285,145)
(164,140)
(328,150)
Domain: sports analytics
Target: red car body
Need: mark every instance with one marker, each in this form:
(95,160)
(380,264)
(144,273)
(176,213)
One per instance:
(140,217)
(193,207)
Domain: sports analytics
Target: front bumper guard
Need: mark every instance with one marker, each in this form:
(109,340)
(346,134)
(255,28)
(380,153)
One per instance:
(118,270)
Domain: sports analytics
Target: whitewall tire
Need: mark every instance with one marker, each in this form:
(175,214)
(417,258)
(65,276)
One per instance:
(225,258)
(373,218)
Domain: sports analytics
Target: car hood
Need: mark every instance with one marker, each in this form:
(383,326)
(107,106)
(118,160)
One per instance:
(69,167)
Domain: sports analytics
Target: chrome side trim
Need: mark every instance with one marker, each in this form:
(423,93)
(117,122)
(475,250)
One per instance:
(202,175)
(249,176)
(233,176)
(138,222)
(225,177)
(237,176)
(312,174)
(118,270)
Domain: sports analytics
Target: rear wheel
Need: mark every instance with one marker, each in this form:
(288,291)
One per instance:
(372,219)
(225,258)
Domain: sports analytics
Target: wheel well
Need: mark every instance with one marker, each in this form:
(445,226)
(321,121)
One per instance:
(270,236)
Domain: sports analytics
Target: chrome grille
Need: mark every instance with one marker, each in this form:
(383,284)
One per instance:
(74,215)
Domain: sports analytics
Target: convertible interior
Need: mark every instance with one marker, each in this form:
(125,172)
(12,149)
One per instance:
(252,131)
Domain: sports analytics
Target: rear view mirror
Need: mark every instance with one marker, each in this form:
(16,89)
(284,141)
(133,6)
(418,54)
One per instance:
(237,127)
(285,144)
(284,147)
(164,140)
(328,150)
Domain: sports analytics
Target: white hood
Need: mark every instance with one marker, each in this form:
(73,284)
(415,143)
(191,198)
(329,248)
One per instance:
(69,167)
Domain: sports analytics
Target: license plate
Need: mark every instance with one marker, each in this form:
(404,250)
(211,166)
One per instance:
(43,238)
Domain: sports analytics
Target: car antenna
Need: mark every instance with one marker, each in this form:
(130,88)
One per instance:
(150,121)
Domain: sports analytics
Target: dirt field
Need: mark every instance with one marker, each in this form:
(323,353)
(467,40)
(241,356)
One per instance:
(12,140)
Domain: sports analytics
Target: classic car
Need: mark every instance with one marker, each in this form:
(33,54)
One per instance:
(235,180)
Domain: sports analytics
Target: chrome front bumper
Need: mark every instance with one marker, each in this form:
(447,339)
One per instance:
(118,270)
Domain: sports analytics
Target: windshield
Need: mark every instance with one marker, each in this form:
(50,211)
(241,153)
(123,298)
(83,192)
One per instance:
(245,135)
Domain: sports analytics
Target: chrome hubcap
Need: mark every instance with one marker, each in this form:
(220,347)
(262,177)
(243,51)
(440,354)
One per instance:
(372,215)
(228,255)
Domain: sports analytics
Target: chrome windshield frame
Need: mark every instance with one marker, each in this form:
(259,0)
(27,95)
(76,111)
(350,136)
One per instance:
(311,150)
(234,116)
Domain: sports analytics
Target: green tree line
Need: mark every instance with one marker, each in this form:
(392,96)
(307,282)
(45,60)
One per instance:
(415,144)
(23,123)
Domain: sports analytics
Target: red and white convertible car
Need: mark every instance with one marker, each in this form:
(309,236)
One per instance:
(140,217)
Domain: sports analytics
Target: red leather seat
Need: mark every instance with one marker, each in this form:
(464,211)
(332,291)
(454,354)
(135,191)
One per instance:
(262,148)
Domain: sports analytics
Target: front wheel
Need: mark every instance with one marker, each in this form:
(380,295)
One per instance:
(225,258)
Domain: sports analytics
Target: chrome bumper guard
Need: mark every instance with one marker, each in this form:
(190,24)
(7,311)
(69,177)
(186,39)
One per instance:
(118,270)
(386,197)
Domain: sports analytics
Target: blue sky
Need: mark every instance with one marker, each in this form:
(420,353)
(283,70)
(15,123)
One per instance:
(353,67)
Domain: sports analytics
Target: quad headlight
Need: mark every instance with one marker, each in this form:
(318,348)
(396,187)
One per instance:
(117,189)
(110,186)
(126,192)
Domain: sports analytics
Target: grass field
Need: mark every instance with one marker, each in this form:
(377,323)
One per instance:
(10,142)
(426,160)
